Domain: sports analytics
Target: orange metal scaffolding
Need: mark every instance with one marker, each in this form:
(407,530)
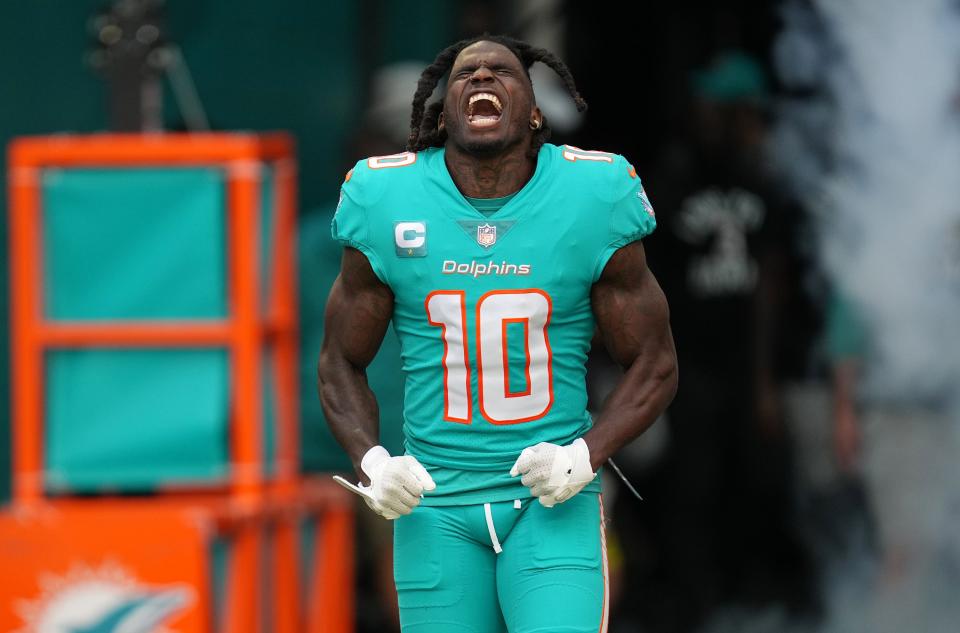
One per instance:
(245,332)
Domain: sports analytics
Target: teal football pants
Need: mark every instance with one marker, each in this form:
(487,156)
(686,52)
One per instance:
(549,575)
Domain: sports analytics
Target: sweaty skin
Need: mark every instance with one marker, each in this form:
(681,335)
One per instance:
(491,162)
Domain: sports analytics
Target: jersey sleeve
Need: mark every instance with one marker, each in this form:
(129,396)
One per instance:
(631,216)
(350,225)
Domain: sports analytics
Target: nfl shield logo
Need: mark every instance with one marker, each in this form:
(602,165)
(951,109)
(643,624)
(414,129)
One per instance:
(486,235)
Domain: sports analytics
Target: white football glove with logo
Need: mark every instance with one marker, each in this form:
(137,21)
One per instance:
(554,473)
(396,483)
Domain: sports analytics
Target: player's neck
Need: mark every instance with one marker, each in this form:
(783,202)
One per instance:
(493,177)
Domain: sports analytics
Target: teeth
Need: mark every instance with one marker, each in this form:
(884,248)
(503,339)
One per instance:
(489,97)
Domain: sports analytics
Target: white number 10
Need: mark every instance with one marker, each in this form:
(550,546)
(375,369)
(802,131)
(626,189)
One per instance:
(495,310)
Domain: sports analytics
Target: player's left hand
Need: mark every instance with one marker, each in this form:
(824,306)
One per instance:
(554,473)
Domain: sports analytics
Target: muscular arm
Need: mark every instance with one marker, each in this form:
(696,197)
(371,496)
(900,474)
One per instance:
(358,312)
(634,323)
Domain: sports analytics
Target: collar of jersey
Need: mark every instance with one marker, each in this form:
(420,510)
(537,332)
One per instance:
(440,176)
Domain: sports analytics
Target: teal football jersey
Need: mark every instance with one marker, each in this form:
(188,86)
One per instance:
(492,312)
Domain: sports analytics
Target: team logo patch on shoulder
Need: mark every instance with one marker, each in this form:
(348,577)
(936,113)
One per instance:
(645,201)
(410,239)
(486,235)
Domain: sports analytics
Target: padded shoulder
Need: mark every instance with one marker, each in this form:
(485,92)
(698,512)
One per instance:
(610,176)
(371,177)
(622,205)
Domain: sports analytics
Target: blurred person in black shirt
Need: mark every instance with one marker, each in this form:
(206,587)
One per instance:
(723,258)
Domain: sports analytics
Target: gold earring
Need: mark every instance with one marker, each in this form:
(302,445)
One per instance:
(535,125)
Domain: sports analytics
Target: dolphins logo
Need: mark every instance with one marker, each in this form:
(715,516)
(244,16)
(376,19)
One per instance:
(104,600)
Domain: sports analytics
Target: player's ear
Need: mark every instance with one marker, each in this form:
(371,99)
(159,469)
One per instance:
(536,118)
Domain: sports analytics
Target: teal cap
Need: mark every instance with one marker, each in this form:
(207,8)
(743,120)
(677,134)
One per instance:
(732,76)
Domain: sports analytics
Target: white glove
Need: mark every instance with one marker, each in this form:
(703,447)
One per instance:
(554,473)
(396,483)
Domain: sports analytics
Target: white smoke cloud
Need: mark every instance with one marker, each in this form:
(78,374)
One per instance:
(872,146)
(877,150)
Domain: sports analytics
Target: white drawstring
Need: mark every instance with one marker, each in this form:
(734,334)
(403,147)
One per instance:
(493,531)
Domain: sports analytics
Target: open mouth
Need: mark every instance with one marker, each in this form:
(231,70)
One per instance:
(484,110)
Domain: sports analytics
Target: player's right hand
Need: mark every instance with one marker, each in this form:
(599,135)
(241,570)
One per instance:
(396,483)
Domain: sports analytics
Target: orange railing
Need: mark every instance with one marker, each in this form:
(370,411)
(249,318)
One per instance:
(244,332)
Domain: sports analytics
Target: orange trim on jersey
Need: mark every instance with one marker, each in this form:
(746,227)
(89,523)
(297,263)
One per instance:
(506,357)
(347,178)
(632,171)
(466,361)
(546,340)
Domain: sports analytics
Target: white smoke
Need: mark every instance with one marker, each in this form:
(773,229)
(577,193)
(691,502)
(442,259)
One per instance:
(871,145)
(877,151)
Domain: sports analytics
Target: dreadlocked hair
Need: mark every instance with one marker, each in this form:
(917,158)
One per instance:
(424,132)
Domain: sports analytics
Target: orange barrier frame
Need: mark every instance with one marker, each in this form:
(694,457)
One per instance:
(243,332)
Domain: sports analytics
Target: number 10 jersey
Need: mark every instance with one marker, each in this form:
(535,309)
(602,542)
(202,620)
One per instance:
(492,311)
